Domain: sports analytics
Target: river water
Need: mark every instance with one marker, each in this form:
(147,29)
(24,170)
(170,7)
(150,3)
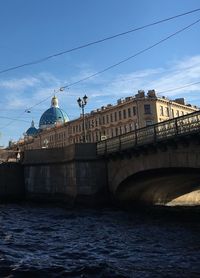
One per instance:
(44,241)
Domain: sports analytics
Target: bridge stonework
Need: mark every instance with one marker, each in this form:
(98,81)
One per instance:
(11,182)
(68,175)
(158,164)
(159,173)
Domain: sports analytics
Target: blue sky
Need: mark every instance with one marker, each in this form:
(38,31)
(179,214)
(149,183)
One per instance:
(34,29)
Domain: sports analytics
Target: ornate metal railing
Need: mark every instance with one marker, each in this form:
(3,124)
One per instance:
(179,126)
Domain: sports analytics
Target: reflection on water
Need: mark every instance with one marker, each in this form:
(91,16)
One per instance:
(40,241)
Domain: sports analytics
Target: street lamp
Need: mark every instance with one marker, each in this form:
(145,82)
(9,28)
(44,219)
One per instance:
(82,103)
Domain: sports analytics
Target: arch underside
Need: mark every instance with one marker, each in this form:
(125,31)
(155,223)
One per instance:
(168,186)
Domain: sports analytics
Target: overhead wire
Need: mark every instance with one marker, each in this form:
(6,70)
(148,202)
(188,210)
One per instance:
(132,56)
(117,64)
(181,87)
(8,118)
(110,67)
(97,41)
(28,110)
(13,120)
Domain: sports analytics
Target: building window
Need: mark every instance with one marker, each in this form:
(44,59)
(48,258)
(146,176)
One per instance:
(167,111)
(103,120)
(120,115)
(172,113)
(111,117)
(92,123)
(177,113)
(107,119)
(115,116)
(129,112)
(147,109)
(182,113)
(134,110)
(161,111)
(124,114)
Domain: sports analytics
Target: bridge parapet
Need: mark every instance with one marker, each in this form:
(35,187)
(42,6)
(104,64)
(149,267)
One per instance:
(173,128)
(158,164)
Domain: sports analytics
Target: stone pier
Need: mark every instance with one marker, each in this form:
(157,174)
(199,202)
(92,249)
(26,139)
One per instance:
(72,174)
(11,182)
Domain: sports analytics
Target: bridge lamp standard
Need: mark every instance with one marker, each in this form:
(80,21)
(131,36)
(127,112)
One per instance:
(82,103)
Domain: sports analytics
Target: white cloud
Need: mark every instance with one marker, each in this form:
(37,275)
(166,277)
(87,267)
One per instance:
(28,91)
(161,79)
(37,90)
(107,88)
(19,84)
(174,83)
(25,92)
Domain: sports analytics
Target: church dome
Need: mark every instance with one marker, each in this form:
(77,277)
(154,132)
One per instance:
(32,131)
(53,115)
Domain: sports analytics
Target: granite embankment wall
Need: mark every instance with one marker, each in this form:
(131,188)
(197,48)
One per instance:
(11,182)
(72,174)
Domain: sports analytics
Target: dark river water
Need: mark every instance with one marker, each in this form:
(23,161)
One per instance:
(44,241)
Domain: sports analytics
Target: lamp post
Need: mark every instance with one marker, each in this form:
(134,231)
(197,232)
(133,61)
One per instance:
(82,102)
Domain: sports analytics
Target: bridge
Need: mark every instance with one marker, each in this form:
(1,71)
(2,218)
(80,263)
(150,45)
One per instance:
(156,164)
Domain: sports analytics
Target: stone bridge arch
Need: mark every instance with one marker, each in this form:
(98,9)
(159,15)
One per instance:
(142,170)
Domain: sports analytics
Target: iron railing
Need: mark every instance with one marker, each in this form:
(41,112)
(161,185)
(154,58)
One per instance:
(182,125)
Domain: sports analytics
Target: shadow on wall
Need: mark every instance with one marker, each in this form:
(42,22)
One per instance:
(11,182)
(170,186)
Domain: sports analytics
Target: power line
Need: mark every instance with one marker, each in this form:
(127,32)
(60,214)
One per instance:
(55,92)
(132,56)
(108,68)
(181,87)
(28,110)
(97,41)
(174,70)
(116,64)
(14,119)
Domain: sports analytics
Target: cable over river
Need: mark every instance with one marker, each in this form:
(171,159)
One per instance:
(43,241)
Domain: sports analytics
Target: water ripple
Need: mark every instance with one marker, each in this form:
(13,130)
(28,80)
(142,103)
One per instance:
(54,242)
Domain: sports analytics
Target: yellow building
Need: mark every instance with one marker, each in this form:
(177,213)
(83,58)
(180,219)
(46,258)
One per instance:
(130,113)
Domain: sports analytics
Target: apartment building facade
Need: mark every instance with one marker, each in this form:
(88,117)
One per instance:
(109,121)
